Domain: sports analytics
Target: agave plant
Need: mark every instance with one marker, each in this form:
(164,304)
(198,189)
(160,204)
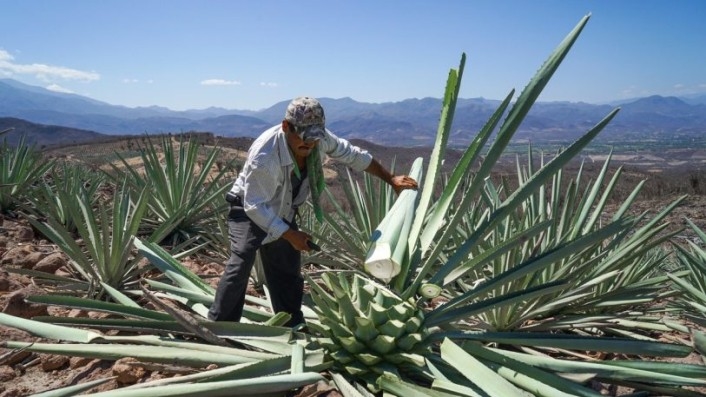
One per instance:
(104,254)
(511,268)
(55,196)
(186,196)
(613,276)
(20,167)
(693,284)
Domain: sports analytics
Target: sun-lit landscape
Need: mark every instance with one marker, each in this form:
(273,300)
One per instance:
(524,265)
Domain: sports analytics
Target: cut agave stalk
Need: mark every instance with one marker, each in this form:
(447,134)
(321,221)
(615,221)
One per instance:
(389,247)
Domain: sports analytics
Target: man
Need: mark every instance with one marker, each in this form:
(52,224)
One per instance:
(283,166)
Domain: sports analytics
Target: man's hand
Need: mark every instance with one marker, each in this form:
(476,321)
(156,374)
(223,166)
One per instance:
(402,182)
(297,239)
(398,182)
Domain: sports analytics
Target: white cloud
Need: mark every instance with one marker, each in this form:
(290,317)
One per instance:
(8,66)
(58,88)
(219,82)
(684,89)
(129,81)
(269,85)
(5,56)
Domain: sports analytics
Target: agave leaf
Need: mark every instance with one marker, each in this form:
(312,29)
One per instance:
(453,185)
(121,324)
(49,331)
(454,388)
(119,297)
(172,268)
(75,389)
(399,387)
(100,306)
(537,381)
(346,388)
(182,292)
(490,254)
(448,108)
(604,370)
(475,371)
(699,341)
(695,371)
(157,354)
(231,372)
(445,315)
(582,343)
(242,387)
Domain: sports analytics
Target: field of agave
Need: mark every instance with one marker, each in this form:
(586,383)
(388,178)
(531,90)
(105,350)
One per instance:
(466,287)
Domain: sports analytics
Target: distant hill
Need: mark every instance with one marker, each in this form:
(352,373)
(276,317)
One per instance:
(411,122)
(43,135)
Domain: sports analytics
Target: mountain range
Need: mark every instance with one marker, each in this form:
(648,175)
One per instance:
(49,117)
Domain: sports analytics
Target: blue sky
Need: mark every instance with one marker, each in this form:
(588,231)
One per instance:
(251,54)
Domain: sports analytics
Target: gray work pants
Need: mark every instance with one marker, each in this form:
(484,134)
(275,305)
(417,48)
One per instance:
(282,267)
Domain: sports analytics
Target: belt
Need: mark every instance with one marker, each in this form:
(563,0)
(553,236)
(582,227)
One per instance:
(234,199)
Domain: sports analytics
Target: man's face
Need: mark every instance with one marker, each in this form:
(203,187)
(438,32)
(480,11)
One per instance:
(299,146)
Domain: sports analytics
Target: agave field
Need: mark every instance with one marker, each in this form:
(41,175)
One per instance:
(469,286)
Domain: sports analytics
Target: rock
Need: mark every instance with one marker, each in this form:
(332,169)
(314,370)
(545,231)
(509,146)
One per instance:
(321,388)
(64,272)
(13,393)
(7,373)
(77,313)
(4,241)
(78,362)
(15,358)
(17,306)
(5,281)
(52,362)
(15,254)
(51,263)
(29,261)
(24,233)
(128,371)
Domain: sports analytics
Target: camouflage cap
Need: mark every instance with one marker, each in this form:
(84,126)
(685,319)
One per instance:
(307,116)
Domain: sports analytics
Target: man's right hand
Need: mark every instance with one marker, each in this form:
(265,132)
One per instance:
(297,239)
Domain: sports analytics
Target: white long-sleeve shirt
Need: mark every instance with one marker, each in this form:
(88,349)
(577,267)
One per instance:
(265,183)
